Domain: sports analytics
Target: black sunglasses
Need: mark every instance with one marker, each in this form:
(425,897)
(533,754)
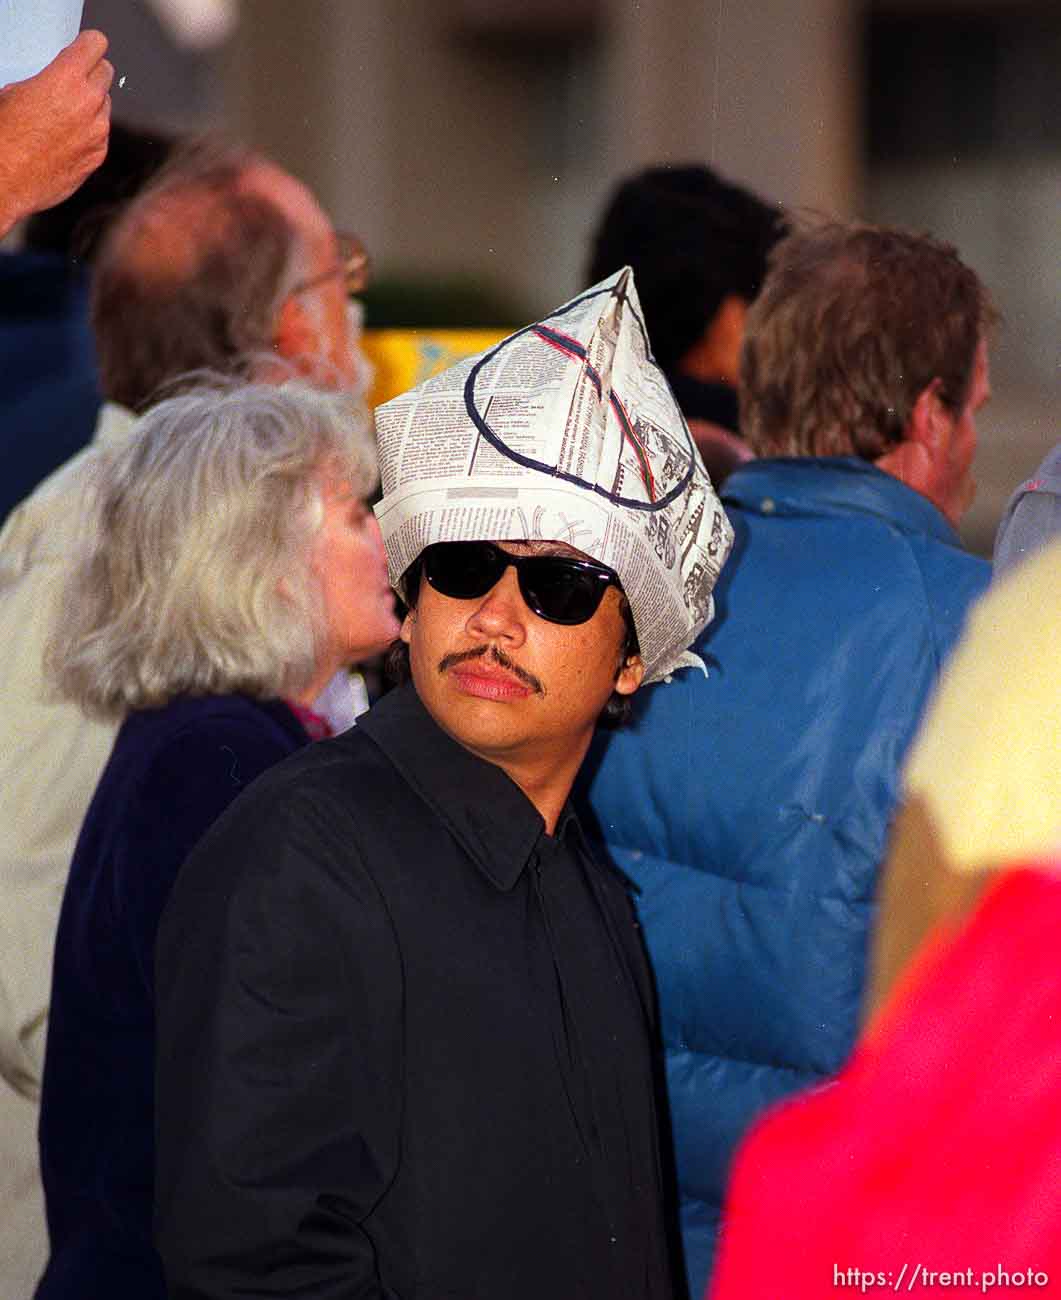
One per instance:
(556,588)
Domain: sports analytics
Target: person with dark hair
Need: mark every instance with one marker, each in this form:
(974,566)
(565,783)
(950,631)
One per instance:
(225,262)
(405,1041)
(698,245)
(751,806)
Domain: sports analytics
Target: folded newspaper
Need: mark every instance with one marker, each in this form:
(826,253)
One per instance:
(565,431)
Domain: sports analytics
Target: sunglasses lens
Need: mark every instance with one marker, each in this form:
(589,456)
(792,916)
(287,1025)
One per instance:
(560,591)
(556,589)
(462,570)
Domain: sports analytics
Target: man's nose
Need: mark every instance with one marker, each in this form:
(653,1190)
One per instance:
(501,615)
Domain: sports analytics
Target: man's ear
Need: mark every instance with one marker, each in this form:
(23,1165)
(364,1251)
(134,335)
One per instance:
(631,675)
(929,419)
(295,335)
(913,461)
(406,631)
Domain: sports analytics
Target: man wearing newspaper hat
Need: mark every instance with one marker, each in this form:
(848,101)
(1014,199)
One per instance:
(405,1019)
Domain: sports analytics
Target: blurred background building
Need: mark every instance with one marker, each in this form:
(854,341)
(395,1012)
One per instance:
(472,143)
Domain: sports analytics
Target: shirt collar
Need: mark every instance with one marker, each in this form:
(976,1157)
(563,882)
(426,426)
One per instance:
(494,821)
(837,485)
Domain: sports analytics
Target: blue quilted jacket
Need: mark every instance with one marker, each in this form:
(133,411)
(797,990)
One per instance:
(751,806)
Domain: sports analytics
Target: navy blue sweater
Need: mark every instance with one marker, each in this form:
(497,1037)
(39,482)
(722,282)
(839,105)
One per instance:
(171,773)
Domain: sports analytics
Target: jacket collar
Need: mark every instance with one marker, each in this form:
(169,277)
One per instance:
(184,709)
(494,821)
(834,485)
(115,426)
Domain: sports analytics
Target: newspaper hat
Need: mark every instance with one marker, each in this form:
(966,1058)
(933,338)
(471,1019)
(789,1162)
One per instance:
(566,431)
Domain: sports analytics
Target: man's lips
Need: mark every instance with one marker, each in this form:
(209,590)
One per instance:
(487,685)
(490,674)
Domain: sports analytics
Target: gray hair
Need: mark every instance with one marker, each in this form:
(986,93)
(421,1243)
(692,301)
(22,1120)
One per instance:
(196,575)
(192,275)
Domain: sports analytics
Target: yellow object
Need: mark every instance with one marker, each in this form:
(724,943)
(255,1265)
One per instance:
(987,761)
(405,358)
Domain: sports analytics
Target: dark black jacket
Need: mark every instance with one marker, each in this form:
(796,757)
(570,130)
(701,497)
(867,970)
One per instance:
(383,1027)
(49,391)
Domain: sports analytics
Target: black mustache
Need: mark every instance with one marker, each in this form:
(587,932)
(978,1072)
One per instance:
(499,657)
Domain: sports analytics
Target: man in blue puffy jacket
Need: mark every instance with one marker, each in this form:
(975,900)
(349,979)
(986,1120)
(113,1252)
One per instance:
(751,806)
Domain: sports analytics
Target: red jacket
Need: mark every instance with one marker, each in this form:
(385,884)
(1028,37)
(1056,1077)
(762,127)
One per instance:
(932,1166)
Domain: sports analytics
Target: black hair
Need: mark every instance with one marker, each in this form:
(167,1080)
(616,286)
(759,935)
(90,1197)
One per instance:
(693,239)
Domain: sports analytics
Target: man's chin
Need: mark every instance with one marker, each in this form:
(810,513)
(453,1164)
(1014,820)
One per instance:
(487,728)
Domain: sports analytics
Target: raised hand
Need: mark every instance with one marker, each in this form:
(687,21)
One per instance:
(54,129)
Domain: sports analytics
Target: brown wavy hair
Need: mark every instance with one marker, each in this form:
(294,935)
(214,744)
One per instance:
(853,323)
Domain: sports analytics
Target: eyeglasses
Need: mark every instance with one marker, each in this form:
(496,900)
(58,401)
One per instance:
(352,264)
(556,588)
